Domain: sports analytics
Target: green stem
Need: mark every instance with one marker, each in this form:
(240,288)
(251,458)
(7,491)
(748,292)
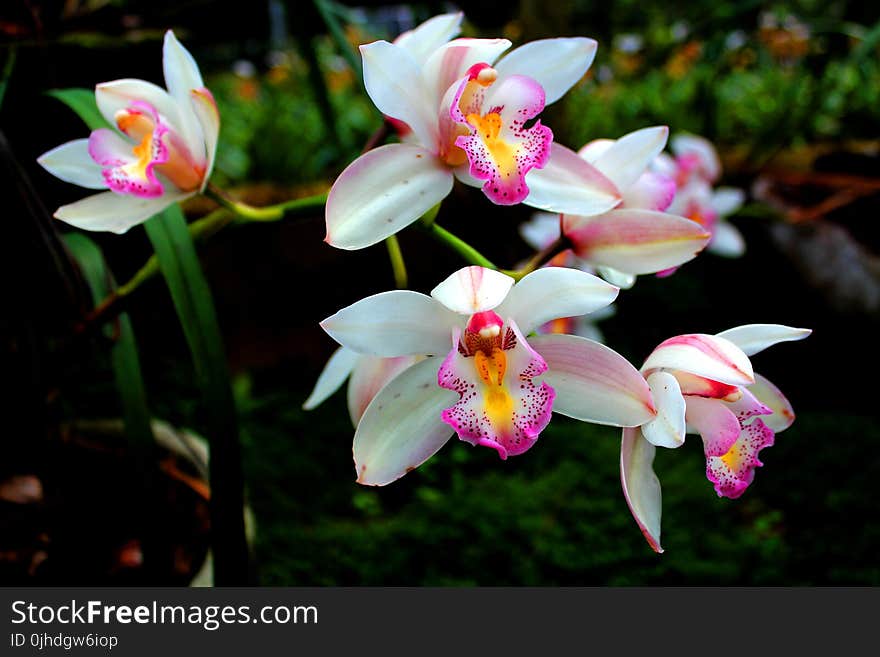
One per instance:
(268,213)
(111,304)
(202,229)
(458,245)
(397,263)
(542,257)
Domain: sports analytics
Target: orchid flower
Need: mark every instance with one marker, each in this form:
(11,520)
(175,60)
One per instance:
(696,168)
(705,384)
(471,116)
(483,380)
(161,152)
(366,376)
(639,236)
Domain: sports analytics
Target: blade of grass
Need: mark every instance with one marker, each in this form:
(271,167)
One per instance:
(7,72)
(82,101)
(124,353)
(191,295)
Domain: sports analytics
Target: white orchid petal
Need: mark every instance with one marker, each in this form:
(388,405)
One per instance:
(205,109)
(369,377)
(618,278)
(668,428)
(553,292)
(72,163)
(452,60)
(119,94)
(768,394)
(570,185)
(541,230)
(727,200)
(592,382)
(401,428)
(652,191)
(394,82)
(395,323)
(593,150)
(755,338)
(664,165)
(181,70)
(182,75)
(711,356)
(383,191)
(112,212)
(334,374)
(628,158)
(726,240)
(421,41)
(635,241)
(641,488)
(473,289)
(556,64)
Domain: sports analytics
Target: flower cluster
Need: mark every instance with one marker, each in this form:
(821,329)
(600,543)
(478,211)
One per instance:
(489,355)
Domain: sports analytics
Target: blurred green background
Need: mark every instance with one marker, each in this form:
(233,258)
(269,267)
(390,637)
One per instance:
(790,93)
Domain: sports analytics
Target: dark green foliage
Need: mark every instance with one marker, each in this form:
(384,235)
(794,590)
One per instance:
(555,516)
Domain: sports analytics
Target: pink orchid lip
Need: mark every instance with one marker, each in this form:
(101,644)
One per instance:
(157,149)
(132,172)
(499,147)
(733,471)
(493,371)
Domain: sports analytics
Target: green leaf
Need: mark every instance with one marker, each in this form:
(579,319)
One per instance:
(124,355)
(82,101)
(868,44)
(191,295)
(7,72)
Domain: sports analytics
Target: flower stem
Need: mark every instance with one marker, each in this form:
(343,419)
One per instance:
(111,305)
(458,245)
(201,229)
(397,263)
(268,213)
(542,257)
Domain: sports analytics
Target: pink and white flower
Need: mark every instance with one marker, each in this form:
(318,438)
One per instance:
(696,168)
(470,116)
(483,379)
(161,152)
(366,376)
(705,384)
(638,236)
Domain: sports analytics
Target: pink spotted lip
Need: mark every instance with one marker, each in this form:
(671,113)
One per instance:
(493,371)
(499,147)
(734,471)
(130,168)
